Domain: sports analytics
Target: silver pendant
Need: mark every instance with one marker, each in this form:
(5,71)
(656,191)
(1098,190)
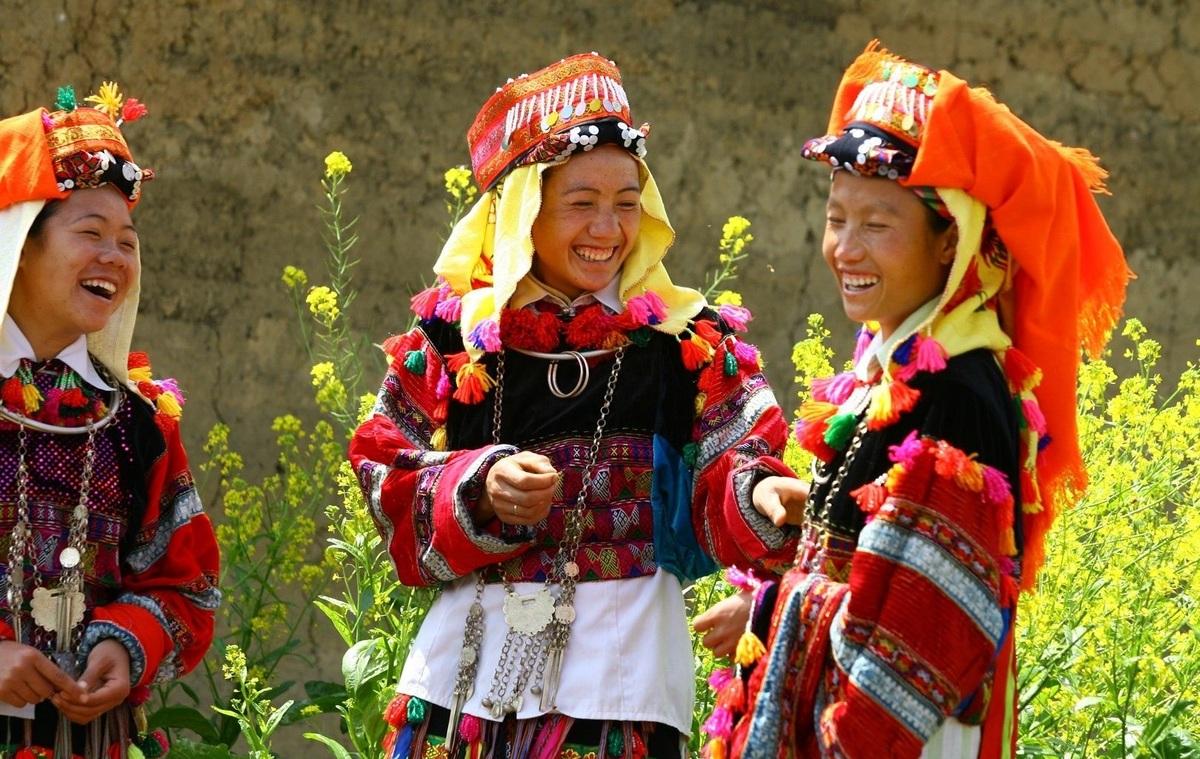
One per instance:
(529,614)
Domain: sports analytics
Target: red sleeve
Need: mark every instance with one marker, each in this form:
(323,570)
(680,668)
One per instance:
(164,615)
(739,436)
(422,499)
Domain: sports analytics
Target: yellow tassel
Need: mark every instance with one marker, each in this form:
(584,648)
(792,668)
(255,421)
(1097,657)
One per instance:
(894,474)
(33,398)
(816,411)
(168,404)
(749,649)
(701,399)
(1008,542)
(140,374)
(437,440)
(880,411)
(970,477)
(716,749)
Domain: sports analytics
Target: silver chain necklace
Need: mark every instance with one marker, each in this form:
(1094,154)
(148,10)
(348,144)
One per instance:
(539,625)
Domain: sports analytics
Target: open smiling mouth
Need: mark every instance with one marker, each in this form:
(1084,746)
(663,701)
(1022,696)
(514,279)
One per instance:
(858,283)
(100,288)
(594,255)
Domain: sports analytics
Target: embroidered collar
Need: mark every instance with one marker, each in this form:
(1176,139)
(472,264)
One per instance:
(14,346)
(532,290)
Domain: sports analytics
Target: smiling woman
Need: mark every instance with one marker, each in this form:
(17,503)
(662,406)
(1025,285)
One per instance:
(110,574)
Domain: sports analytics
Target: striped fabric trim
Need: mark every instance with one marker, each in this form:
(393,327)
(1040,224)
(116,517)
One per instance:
(717,441)
(467,491)
(98,631)
(744,481)
(883,685)
(182,509)
(911,550)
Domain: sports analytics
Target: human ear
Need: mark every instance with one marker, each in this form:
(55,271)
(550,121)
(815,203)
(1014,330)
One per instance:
(949,245)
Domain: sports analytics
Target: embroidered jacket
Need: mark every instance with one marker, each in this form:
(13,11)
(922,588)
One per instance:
(150,559)
(899,610)
(678,446)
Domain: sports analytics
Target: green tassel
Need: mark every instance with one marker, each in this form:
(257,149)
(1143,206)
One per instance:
(840,430)
(416,711)
(730,363)
(691,452)
(133,752)
(414,361)
(616,740)
(641,336)
(66,99)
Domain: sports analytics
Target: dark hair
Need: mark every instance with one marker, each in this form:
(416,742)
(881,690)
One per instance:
(937,222)
(39,221)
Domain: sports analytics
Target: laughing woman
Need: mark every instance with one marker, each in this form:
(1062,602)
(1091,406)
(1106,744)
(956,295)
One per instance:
(109,564)
(555,442)
(972,251)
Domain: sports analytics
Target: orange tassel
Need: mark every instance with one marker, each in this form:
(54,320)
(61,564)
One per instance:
(473,383)
(1031,498)
(707,331)
(733,695)
(13,394)
(870,497)
(816,411)
(696,352)
(716,748)
(903,397)
(1023,375)
(880,413)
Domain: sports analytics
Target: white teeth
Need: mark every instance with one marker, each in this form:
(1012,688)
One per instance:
(594,255)
(854,280)
(100,284)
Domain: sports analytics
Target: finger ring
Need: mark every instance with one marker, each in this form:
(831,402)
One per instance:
(514,508)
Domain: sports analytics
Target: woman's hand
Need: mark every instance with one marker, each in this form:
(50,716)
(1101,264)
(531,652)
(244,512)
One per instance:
(781,499)
(723,623)
(519,490)
(102,687)
(28,677)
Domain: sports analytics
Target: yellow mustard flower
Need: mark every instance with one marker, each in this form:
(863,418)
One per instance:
(337,165)
(729,298)
(323,304)
(294,277)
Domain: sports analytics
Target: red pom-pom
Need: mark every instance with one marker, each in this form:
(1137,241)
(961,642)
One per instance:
(138,360)
(73,399)
(396,713)
(1022,373)
(132,110)
(696,352)
(733,695)
(456,361)
(470,728)
(590,327)
(529,329)
(707,330)
(13,394)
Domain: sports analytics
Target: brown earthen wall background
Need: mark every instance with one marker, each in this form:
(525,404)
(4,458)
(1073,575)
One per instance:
(247,97)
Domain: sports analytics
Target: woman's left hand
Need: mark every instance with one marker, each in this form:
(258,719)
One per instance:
(105,683)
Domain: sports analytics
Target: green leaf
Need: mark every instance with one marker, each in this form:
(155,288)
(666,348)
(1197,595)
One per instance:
(335,748)
(337,619)
(1086,703)
(276,717)
(364,661)
(182,748)
(184,718)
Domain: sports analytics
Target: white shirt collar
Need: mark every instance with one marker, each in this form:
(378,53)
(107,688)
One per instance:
(531,290)
(14,346)
(879,349)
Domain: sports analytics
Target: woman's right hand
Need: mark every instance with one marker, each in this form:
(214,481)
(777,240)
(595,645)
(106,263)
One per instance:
(28,677)
(518,490)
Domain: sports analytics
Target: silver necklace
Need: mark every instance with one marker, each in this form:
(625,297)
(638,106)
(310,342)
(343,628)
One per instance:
(539,624)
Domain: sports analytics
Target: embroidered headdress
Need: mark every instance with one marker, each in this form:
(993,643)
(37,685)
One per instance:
(1037,274)
(45,155)
(530,124)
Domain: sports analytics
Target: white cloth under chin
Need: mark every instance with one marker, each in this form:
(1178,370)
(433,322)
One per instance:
(14,346)
(629,656)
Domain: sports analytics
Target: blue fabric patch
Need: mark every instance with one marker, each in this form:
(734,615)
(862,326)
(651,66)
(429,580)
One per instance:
(676,548)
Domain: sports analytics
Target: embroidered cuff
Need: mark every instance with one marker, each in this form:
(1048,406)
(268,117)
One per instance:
(103,630)
(466,500)
(744,480)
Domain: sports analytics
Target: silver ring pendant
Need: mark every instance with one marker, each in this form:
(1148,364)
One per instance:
(580,384)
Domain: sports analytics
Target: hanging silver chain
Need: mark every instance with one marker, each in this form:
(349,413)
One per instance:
(526,654)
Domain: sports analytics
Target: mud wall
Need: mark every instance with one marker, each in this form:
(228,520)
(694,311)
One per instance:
(248,96)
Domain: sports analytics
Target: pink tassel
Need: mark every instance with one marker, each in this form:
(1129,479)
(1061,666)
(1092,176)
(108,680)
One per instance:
(995,486)
(486,336)
(736,317)
(741,580)
(449,309)
(747,354)
(908,451)
(864,340)
(719,677)
(442,390)
(1034,417)
(646,309)
(931,356)
(719,724)
(425,302)
(906,372)
(841,386)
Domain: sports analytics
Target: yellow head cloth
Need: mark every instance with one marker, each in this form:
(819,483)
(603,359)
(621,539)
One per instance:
(491,249)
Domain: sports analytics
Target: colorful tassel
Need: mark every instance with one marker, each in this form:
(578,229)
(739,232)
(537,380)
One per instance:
(1034,416)
(717,749)
(811,437)
(1031,497)
(437,441)
(970,476)
(904,397)
(840,430)
(996,488)
(908,450)
(731,364)
(870,497)
(718,678)
(32,398)
(698,403)
(65,99)
(473,383)
(695,351)
(424,303)
(894,476)
(74,399)
(862,342)
(880,413)
(931,355)
(733,695)
(396,713)
(414,361)
(13,394)
(1023,375)
(416,710)
(749,649)
(747,355)
(442,388)
(616,743)
(486,336)
(168,405)
(638,749)
(647,309)
(449,309)
(708,332)
(719,724)
(691,452)
(470,728)
(737,317)
(404,740)
(835,389)
(902,354)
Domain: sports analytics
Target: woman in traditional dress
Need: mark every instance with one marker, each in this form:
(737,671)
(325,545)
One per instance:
(565,439)
(972,251)
(109,563)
